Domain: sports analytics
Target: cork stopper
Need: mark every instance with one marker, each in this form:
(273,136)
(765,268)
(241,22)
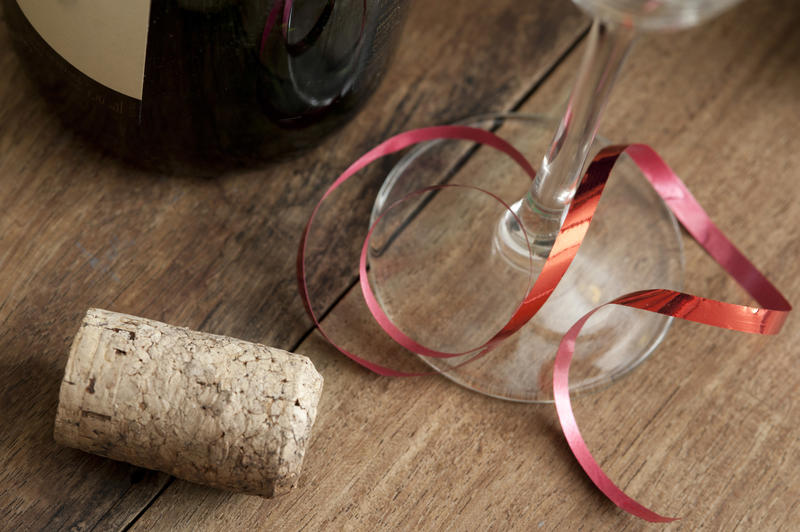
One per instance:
(205,408)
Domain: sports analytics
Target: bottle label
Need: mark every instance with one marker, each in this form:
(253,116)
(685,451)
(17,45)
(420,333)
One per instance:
(105,39)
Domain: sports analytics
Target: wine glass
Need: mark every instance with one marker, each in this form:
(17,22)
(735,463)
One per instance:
(450,265)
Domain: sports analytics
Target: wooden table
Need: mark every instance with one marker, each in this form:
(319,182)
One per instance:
(707,429)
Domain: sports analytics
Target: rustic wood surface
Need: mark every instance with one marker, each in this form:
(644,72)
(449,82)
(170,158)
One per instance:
(707,428)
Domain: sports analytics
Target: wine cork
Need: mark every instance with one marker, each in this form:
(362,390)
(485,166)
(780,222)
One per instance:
(208,409)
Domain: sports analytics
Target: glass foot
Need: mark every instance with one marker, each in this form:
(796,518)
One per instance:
(439,273)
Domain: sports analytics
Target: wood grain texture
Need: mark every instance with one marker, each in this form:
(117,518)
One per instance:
(79,230)
(707,429)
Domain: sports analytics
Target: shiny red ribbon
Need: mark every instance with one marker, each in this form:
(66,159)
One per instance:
(755,320)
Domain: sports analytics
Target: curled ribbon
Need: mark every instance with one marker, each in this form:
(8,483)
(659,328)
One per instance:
(766,320)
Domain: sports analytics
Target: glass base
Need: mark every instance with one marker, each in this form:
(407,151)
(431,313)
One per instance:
(442,272)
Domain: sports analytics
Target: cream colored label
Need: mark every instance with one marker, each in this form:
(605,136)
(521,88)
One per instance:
(104,39)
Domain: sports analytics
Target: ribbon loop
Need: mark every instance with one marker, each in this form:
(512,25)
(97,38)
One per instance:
(765,320)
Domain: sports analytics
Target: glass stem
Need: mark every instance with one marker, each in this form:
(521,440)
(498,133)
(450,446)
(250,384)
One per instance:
(543,208)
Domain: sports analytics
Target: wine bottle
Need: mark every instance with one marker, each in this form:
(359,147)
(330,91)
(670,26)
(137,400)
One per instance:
(189,86)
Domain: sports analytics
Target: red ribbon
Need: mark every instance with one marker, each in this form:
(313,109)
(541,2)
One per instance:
(755,320)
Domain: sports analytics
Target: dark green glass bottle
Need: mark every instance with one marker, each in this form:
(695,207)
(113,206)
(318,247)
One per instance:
(191,86)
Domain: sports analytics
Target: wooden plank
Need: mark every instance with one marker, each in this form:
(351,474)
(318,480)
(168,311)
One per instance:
(707,429)
(78,230)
